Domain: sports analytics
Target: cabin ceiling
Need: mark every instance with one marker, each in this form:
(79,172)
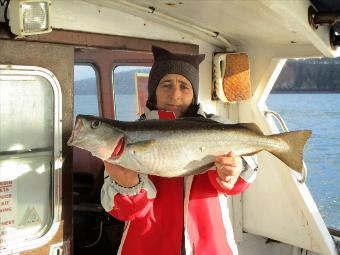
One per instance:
(245,20)
(235,20)
(238,23)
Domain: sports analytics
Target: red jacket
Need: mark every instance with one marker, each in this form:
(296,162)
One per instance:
(163,209)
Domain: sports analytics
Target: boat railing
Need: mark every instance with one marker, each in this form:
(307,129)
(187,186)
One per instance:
(285,129)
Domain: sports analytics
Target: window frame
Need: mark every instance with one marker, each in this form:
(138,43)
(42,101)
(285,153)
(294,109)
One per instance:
(146,63)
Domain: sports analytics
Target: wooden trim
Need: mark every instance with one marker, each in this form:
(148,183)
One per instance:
(113,42)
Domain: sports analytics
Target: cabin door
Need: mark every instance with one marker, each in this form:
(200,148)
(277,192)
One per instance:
(105,84)
(36,102)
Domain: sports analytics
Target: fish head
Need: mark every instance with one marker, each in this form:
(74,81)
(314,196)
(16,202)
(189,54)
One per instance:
(96,136)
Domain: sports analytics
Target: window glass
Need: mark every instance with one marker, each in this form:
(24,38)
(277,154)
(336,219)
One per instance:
(130,91)
(306,95)
(26,157)
(85,91)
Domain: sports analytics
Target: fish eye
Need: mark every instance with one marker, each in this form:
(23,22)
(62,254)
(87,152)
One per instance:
(95,124)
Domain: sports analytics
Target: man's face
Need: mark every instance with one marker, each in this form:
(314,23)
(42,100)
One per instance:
(174,93)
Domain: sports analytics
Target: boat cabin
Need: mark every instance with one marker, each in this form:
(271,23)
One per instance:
(60,58)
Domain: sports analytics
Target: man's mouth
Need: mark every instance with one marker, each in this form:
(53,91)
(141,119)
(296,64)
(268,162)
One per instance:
(173,106)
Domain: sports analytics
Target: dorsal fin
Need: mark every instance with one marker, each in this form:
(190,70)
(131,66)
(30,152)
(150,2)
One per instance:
(199,119)
(251,126)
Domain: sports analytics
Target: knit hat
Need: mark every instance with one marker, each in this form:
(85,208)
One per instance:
(166,62)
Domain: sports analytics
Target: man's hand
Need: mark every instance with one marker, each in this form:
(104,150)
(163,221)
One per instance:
(122,176)
(229,168)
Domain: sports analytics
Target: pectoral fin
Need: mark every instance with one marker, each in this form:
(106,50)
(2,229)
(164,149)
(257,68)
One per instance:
(140,145)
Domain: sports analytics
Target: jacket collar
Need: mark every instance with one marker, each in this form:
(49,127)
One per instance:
(162,114)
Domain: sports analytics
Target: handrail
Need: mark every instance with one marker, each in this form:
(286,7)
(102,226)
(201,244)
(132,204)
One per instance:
(334,231)
(285,129)
(184,25)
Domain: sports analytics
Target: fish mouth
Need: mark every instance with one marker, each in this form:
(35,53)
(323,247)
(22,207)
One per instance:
(78,126)
(70,140)
(119,149)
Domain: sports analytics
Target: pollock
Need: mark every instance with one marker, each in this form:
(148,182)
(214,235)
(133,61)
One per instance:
(180,147)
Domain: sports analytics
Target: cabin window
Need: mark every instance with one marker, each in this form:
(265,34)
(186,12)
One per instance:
(30,146)
(85,90)
(130,91)
(306,95)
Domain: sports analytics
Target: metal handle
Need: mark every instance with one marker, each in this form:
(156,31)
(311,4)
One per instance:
(285,129)
(62,248)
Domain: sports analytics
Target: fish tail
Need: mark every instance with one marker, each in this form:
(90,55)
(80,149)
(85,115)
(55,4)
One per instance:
(292,154)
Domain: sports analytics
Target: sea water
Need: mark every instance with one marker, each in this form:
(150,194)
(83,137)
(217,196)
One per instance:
(320,113)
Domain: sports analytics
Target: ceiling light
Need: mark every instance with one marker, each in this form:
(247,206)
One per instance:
(29,17)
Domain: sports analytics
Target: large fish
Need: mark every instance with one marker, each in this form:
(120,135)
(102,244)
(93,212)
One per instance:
(179,147)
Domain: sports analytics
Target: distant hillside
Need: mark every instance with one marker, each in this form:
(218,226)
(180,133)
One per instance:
(309,75)
(124,83)
(296,76)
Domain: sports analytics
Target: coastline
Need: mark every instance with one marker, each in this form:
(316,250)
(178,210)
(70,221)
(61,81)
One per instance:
(304,91)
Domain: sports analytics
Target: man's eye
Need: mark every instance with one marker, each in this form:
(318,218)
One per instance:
(184,87)
(166,85)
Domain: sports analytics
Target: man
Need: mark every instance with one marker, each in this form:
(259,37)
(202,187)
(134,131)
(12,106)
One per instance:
(182,215)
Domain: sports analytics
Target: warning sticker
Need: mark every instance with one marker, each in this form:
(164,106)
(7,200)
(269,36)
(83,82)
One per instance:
(31,217)
(8,207)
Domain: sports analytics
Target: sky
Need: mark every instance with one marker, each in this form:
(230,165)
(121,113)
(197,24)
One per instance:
(82,72)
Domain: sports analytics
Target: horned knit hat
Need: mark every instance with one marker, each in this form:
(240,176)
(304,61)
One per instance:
(166,62)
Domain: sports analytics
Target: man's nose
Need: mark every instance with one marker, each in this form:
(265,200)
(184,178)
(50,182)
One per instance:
(176,91)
